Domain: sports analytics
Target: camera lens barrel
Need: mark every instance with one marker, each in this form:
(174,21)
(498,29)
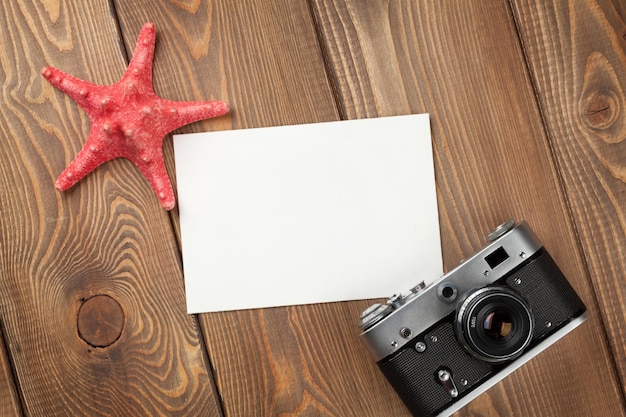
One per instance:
(494,324)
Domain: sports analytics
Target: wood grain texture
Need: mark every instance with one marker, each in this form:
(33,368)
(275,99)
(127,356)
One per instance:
(91,290)
(107,237)
(577,57)
(9,400)
(264,59)
(296,361)
(462,63)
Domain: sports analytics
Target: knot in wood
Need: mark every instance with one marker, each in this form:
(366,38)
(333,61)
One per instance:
(100,321)
(601,108)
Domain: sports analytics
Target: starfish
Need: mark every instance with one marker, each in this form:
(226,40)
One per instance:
(129,120)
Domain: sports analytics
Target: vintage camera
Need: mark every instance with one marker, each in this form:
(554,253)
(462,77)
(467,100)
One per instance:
(443,345)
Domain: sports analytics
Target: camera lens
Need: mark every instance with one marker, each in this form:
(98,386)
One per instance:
(495,324)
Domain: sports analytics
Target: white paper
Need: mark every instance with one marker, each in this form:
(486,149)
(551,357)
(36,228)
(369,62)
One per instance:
(306,214)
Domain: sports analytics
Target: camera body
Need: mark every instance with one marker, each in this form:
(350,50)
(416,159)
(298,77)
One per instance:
(443,345)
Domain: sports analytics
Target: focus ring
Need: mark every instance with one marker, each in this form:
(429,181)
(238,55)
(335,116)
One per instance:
(494,324)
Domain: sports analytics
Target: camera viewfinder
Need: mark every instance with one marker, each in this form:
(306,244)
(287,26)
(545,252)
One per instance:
(496,257)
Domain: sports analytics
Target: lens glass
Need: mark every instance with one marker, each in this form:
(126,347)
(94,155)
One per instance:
(495,324)
(498,325)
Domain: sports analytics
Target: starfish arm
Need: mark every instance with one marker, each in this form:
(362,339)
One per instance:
(89,158)
(180,113)
(154,170)
(82,92)
(129,120)
(140,66)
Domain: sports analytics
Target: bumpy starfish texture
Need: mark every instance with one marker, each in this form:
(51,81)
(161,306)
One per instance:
(129,120)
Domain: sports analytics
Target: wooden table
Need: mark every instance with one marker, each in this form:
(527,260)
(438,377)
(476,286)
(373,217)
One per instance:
(528,111)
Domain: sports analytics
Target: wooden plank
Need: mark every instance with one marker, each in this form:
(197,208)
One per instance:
(462,63)
(91,292)
(264,59)
(9,400)
(577,58)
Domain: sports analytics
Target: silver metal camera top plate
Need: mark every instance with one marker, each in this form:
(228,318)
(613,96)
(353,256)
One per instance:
(423,310)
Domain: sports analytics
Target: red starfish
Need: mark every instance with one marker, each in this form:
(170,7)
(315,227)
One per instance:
(129,120)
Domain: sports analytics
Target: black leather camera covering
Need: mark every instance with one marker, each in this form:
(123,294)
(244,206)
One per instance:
(552,299)
(413,374)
